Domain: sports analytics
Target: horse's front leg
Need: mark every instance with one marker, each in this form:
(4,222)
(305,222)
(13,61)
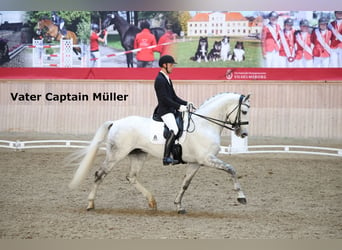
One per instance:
(213,161)
(129,60)
(190,173)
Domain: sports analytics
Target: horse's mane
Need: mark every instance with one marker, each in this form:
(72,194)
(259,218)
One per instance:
(45,18)
(214,98)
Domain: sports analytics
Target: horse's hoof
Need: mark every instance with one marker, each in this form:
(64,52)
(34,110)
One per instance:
(152,204)
(182,211)
(91,206)
(242,200)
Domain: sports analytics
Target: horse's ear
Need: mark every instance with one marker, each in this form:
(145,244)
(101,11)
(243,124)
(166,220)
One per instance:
(247,97)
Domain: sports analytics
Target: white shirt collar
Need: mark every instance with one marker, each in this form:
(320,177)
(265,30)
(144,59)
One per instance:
(167,77)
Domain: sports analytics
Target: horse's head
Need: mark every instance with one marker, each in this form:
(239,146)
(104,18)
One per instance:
(46,27)
(39,28)
(42,24)
(107,21)
(110,19)
(241,111)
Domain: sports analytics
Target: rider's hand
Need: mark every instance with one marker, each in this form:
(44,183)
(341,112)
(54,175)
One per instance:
(190,104)
(182,108)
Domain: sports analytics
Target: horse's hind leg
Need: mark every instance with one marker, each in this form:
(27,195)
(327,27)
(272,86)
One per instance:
(111,159)
(190,173)
(137,160)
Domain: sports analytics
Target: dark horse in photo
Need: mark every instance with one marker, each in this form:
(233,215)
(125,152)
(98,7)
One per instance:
(4,51)
(127,33)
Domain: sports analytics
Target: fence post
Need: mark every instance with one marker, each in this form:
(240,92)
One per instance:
(37,53)
(238,144)
(66,53)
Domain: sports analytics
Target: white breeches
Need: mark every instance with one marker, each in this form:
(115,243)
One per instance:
(303,63)
(321,62)
(272,59)
(170,121)
(284,63)
(336,57)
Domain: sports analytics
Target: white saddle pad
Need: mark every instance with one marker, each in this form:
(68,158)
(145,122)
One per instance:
(157,131)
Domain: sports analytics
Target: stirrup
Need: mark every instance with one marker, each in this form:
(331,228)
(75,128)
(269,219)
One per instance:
(169,161)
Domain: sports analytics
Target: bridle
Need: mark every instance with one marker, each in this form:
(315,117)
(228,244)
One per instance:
(227,123)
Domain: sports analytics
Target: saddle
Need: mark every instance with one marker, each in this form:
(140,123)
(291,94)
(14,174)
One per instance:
(179,121)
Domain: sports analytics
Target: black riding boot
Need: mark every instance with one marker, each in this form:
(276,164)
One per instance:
(167,160)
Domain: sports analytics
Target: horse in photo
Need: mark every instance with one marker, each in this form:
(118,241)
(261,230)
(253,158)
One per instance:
(215,53)
(127,33)
(4,51)
(52,31)
(202,50)
(129,137)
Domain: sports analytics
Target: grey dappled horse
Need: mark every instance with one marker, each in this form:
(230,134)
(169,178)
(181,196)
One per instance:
(128,137)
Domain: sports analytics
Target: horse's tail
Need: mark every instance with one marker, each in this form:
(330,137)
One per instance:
(90,154)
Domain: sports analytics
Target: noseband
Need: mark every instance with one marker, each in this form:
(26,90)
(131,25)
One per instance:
(237,122)
(226,123)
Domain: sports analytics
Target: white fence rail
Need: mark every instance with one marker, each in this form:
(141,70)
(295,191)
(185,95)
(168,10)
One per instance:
(293,149)
(21,145)
(260,149)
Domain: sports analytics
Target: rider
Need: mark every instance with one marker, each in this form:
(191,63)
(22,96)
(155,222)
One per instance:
(287,50)
(336,40)
(168,37)
(59,22)
(168,104)
(321,38)
(94,45)
(270,40)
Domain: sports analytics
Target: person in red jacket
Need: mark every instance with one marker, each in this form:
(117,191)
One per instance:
(270,41)
(144,39)
(165,42)
(303,45)
(336,40)
(321,37)
(287,50)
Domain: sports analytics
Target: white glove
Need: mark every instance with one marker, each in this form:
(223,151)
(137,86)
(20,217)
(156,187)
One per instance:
(182,108)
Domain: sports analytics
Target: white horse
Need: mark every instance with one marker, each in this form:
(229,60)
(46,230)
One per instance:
(129,137)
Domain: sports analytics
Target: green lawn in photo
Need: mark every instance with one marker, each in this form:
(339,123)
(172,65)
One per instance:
(187,49)
(113,41)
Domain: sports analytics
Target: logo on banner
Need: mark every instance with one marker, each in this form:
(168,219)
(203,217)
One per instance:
(229,74)
(245,75)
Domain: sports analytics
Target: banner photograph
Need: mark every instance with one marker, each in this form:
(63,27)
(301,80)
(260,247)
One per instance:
(233,41)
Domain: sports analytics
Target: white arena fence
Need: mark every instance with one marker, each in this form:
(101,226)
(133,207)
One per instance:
(230,150)
(276,149)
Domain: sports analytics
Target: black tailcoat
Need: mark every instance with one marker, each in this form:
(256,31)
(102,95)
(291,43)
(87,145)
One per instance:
(168,101)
